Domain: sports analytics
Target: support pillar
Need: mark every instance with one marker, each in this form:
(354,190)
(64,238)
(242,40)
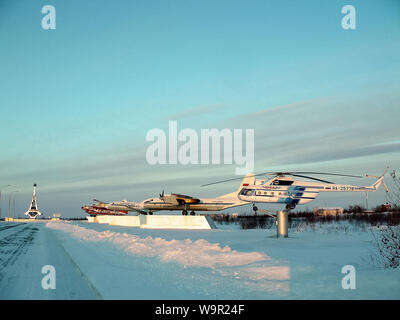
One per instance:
(282,224)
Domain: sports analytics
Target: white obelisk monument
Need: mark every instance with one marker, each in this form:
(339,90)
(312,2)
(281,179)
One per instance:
(33,210)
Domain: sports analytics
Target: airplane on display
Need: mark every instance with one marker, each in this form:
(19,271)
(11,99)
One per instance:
(280,187)
(178,202)
(100,208)
(170,202)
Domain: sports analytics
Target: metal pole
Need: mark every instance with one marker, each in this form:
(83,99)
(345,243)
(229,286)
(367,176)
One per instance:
(14,205)
(282,224)
(9,201)
(3,187)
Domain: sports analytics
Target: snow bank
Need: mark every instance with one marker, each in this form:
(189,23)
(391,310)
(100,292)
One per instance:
(199,253)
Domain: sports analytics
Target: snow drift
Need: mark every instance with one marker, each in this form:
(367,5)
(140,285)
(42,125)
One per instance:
(199,253)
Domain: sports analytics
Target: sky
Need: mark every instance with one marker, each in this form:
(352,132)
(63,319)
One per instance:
(77,102)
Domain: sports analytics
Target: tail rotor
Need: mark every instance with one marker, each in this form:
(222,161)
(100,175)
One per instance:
(380,178)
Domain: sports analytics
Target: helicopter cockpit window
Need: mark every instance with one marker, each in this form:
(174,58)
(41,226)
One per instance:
(246,192)
(282,182)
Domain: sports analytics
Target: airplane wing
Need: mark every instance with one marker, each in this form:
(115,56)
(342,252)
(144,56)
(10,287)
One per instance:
(179,199)
(99,202)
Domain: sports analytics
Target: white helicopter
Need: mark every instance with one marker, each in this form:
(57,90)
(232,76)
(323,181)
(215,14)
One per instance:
(283,188)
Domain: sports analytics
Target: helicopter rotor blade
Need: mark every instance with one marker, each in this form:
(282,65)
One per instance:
(292,173)
(298,175)
(221,181)
(326,173)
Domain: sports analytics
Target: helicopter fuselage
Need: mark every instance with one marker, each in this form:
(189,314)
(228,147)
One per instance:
(290,191)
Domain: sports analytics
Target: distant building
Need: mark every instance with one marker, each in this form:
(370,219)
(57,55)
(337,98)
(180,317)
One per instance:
(56,216)
(328,211)
(386,207)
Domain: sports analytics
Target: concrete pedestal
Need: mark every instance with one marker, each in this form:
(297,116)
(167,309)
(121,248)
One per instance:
(176,222)
(157,221)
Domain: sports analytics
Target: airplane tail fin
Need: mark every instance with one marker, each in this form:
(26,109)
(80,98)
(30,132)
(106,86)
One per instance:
(249,179)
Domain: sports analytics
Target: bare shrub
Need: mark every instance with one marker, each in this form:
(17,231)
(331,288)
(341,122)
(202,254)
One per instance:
(394,194)
(387,243)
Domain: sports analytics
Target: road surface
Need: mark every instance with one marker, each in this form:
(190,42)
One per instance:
(24,249)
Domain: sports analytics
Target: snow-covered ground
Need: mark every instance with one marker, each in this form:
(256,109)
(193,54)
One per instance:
(101,261)
(24,249)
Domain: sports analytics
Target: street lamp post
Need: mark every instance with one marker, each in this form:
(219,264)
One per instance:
(2,188)
(14,204)
(9,201)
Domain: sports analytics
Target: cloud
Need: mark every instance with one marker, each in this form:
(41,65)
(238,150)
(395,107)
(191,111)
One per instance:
(323,130)
(283,108)
(196,111)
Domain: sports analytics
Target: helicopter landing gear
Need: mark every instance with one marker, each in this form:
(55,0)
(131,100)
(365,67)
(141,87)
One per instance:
(255,209)
(290,206)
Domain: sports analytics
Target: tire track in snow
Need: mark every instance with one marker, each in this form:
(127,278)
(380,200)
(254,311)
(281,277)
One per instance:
(15,244)
(24,249)
(10,226)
